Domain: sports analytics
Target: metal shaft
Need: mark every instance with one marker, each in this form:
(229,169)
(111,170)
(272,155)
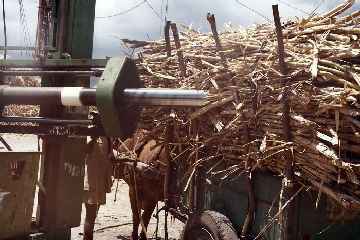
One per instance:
(78,96)
(48,121)
(96,73)
(24,48)
(165,97)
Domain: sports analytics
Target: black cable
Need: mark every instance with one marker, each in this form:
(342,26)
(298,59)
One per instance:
(162,9)
(8,147)
(253,10)
(293,7)
(24,24)
(125,11)
(162,15)
(133,8)
(153,9)
(317,7)
(166,10)
(5,33)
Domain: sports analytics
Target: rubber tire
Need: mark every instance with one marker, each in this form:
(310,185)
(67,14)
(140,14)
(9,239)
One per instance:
(214,223)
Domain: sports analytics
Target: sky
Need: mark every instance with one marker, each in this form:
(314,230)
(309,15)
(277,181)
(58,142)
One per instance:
(145,21)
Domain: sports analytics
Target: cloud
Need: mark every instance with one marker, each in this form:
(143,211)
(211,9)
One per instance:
(143,24)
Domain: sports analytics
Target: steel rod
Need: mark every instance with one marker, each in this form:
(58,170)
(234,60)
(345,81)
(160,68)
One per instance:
(41,120)
(165,97)
(78,96)
(3,141)
(66,96)
(54,63)
(53,130)
(5,31)
(287,218)
(23,48)
(50,73)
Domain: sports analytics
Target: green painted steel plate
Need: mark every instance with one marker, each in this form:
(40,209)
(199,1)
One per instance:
(118,117)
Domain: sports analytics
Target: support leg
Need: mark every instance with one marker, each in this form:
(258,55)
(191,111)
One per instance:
(135,213)
(146,216)
(91,212)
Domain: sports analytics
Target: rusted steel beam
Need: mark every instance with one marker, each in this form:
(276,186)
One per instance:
(178,48)
(287,226)
(249,219)
(167,38)
(200,183)
(212,21)
(63,27)
(219,48)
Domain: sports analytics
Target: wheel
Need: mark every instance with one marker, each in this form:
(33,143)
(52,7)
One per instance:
(209,225)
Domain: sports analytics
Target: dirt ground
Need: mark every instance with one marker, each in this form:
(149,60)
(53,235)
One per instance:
(114,219)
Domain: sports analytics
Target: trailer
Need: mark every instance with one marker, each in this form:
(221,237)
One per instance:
(231,211)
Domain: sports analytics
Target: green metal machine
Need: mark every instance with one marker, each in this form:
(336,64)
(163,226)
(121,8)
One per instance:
(65,65)
(118,99)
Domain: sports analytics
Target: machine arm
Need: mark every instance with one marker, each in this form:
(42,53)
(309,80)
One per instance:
(78,96)
(118,97)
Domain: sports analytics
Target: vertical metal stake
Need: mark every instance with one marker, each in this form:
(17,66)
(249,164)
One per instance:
(287,218)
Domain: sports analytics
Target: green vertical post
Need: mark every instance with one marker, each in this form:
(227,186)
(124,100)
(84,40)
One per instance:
(64,158)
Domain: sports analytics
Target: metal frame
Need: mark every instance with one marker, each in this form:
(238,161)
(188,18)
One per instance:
(71,33)
(54,63)
(23,48)
(95,73)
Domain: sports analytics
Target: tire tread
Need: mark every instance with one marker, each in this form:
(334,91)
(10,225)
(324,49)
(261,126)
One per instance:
(218,224)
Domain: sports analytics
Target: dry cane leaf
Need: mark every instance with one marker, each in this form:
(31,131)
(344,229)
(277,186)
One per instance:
(263,145)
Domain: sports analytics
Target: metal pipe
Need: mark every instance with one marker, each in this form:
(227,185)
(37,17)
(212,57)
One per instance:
(5,31)
(8,147)
(53,130)
(23,48)
(95,73)
(41,120)
(78,96)
(30,95)
(165,97)
(55,63)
